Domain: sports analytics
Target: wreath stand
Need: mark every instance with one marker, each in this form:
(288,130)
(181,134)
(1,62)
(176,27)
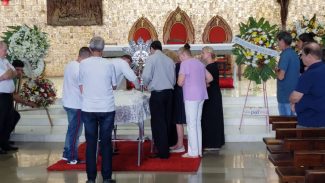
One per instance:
(41,108)
(256,111)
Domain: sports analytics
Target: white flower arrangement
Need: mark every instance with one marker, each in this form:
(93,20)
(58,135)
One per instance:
(307,26)
(29,45)
(259,66)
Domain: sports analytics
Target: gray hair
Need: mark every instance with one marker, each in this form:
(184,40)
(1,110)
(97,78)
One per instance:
(97,44)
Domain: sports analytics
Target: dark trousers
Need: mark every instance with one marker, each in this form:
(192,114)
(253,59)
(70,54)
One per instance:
(105,122)
(6,118)
(161,119)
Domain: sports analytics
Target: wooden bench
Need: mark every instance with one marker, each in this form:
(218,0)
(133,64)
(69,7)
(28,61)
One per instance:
(282,155)
(283,133)
(281,118)
(315,176)
(303,162)
(297,141)
(272,141)
(294,144)
(312,158)
(291,174)
(279,122)
(284,124)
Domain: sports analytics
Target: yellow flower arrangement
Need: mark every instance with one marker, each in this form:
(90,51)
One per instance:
(307,26)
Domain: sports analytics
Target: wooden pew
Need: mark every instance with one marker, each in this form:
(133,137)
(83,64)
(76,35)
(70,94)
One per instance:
(314,159)
(291,174)
(279,122)
(294,144)
(304,161)
(283,133)
(315,176)
(277,125)
(283,154)
(272,141)
(284,124)
(281,118)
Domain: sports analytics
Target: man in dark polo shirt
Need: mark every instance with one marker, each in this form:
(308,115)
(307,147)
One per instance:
(308,99)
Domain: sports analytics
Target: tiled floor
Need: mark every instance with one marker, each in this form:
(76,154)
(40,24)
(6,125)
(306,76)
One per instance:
(235,163)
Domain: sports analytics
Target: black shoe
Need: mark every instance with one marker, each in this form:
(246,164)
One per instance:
(3,151)
(11,142)
(10,148)
(109,181)
(153,156)
(90,181)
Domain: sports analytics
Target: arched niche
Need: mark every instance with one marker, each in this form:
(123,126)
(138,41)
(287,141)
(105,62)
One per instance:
(178,28)
(217,30)
(144,29)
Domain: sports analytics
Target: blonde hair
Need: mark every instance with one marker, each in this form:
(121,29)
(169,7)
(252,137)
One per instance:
(209,49)
(171,54)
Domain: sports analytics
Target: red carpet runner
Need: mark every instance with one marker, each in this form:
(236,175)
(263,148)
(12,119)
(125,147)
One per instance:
(126,160)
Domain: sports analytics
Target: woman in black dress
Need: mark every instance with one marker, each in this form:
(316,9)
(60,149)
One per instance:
(213,137)
(178,107)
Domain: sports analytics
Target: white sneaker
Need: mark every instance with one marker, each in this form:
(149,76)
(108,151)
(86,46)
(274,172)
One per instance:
(65,159)
(73,162)
(179,150)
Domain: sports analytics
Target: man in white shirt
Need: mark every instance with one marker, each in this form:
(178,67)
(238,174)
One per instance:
(72,105)
(7,87)
(96,81)
(123,70)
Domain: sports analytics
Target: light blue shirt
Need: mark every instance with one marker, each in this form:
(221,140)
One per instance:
(159,72)
(290,64)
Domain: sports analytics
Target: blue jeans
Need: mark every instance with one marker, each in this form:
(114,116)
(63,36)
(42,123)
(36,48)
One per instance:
(73,133)
(285,109)
(105,122)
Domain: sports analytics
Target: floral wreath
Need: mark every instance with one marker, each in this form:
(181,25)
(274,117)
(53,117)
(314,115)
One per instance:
(40,91)
(307,26)
(259,67)
(29,45)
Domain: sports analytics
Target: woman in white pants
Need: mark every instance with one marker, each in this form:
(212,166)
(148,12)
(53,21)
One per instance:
(193,78)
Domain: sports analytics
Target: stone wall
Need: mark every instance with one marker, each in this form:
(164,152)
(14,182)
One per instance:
(119,16)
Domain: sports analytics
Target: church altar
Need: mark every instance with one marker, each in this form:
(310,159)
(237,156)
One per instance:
(222,48)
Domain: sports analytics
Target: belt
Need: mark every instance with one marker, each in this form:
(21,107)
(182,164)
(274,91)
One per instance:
(162,90)
(5,93)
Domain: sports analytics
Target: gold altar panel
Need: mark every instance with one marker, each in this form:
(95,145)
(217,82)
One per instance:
(119,16)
